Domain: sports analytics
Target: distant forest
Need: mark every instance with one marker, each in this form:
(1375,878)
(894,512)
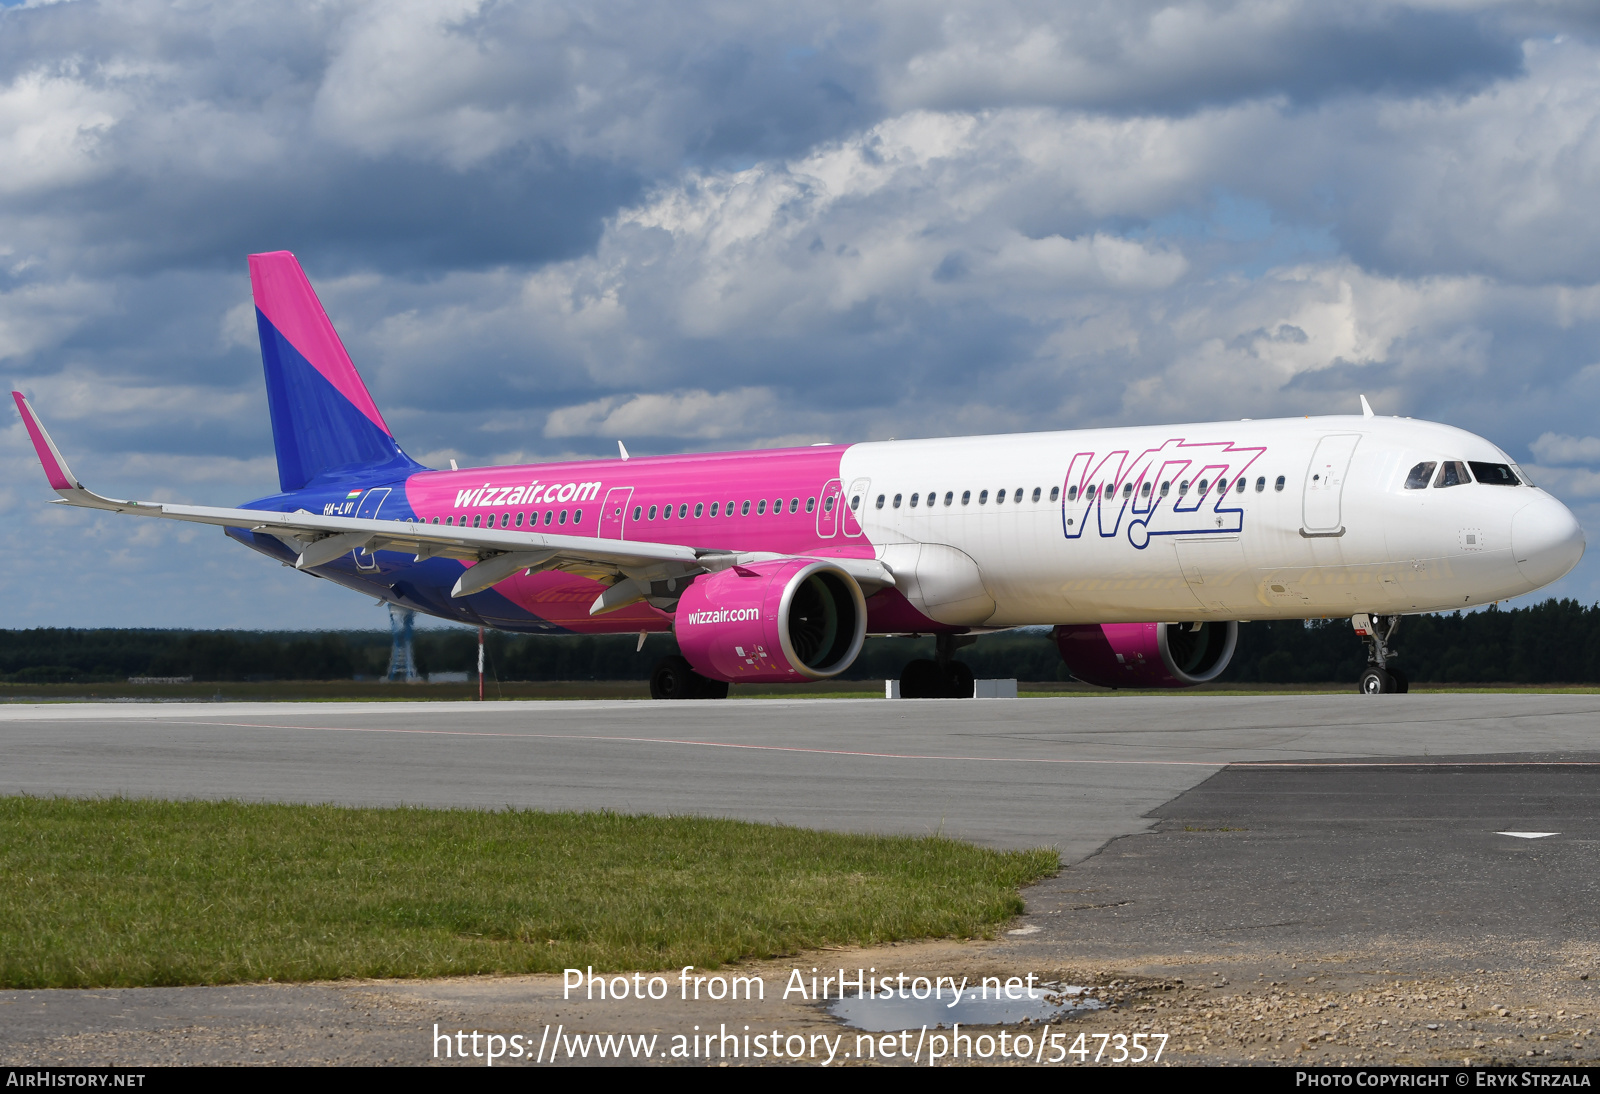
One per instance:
(1557,641)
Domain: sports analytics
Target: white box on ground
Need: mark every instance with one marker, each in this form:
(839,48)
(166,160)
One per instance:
(981,689)
(994,689)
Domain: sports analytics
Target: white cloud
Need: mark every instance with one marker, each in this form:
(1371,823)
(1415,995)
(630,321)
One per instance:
(688,415)
(51,130)
(1561,448)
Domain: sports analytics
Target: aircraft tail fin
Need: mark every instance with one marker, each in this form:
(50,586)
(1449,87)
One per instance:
(324,422)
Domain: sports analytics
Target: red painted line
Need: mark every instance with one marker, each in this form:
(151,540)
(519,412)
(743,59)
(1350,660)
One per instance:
(887,755)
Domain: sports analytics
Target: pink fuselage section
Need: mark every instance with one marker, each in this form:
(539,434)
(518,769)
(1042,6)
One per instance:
(786,501)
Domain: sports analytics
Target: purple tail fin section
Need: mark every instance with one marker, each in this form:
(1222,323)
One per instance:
(324,422)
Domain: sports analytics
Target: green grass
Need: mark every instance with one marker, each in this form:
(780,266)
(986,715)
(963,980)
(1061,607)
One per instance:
(120,892)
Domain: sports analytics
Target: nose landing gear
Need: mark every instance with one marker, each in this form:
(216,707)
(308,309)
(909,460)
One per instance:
(1380,678)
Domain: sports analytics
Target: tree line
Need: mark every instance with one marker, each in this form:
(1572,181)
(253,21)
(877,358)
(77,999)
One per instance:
(1557,641)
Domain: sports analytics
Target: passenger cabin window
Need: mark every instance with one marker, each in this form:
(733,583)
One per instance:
(966,496)
(761,507)
(636,512)
(1166,488)
(1183,488)
(1144,491)
(577,516)
(1420,474)
(999,497)
(563,519)
(855,502)
(714,508)
(699,510)
(1279,484)
(914,498)
(1452,473)
(1072,493)
(519,520)
(1055,492)
(1494,474)
(1261,483)
(949,497)
(811,506)
(897,501)
(652,512)
(983,497)
(450,520)
(827,504)
(683,510)
(744,508)
(1127,489)
(1089,492)
(1036,493)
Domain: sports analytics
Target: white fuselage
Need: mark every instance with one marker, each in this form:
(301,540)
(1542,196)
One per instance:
(1324,525)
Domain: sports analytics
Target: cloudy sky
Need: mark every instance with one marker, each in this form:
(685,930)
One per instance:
(543,226)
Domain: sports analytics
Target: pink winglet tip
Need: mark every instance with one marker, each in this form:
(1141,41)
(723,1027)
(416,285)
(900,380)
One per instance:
(284,295)
(54,469)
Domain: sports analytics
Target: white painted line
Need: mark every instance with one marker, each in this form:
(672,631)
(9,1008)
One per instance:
(1528,835)
(1029,929)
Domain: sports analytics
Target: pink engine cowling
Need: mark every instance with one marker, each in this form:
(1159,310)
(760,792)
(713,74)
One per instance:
(788,620)
(1147,655)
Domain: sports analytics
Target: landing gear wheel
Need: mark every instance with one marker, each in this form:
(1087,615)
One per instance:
(674,678)
(1377,682)
(921,680)
(1402,683)
(958,681)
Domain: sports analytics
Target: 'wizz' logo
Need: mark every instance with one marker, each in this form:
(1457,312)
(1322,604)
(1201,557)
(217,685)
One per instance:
(1180,488)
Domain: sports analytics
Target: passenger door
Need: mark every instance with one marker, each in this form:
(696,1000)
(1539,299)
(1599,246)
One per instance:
(828,509)
(371,503)
(1320,508)
(855,503)
(614,513)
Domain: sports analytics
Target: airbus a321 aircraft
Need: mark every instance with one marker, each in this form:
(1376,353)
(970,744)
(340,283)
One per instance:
(1143,547)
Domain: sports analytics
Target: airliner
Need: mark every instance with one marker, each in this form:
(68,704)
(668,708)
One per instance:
(1143,547)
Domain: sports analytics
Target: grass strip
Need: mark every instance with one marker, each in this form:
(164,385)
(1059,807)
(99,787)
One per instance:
(123,892)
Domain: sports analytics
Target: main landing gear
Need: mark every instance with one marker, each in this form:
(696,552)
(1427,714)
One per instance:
(1380,678)
(672,678)
(940,678)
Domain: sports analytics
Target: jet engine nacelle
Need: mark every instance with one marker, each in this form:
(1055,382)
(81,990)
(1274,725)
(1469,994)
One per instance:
(788,620)
(1147,655)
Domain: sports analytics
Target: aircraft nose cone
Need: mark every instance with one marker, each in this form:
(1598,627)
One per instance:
(1545,540)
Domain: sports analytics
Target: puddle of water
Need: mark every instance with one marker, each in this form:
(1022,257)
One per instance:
(885,1014)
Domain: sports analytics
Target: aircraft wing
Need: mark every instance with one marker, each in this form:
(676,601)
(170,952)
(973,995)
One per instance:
(630,567)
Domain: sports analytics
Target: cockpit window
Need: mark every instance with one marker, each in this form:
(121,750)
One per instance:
(1452,473)
(1420,474)
(1494,474)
